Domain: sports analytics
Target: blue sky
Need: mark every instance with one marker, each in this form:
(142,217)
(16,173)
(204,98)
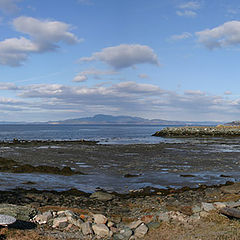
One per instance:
(168,59)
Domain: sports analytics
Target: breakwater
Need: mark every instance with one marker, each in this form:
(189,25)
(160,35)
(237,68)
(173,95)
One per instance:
(218,131)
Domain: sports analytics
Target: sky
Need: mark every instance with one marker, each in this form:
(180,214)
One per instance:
(168,59)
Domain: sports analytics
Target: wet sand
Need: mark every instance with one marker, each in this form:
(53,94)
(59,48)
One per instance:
(122,168)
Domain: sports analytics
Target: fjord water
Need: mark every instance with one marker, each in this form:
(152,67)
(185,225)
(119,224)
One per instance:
(110,134)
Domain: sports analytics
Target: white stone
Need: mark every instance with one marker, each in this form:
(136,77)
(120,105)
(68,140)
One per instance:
(141,231)
(43,218)
(60,222)
(86,228)
(219,205)
(207,207)
(110,224)
(6,220)
(99,219)
(101,230)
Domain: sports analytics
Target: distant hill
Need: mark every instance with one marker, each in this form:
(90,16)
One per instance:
(109,119)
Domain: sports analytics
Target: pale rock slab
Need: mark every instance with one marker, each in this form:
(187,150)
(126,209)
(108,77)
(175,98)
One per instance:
(101,230)
(141,231)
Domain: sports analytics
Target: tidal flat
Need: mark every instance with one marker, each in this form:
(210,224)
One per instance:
(147,184)
(120,168)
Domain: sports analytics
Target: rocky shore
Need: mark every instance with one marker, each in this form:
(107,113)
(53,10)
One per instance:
(161,214)
(218,131)
(148,213)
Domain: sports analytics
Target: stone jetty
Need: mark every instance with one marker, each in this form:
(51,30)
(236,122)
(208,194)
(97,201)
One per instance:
(191,131)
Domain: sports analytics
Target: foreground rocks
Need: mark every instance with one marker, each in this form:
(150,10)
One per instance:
(132,216)
(220,131)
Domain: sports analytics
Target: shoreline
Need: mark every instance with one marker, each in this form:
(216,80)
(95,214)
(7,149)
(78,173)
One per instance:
(199,131)
(64,215)
(142,213)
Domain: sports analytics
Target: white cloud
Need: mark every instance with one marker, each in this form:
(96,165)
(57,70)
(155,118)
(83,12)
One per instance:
(184,35)
(8,86)
(13,51)
(224,35)
(190,5)
(124,56)
(188,9)
(9,6)
(45,33)
(97,74)
(187,13)
(44,36)
(194,93)
(80,78)
(129,98)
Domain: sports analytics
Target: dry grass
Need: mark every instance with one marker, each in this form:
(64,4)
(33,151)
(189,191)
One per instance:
(13,234)
(213,227)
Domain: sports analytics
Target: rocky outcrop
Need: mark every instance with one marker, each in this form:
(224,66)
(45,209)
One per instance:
(218,131)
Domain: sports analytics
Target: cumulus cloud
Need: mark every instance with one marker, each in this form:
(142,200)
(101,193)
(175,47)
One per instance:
(44,36)
(14,51)
(9,6)
(45,33)
(124,56)
(224,35)
(182,36)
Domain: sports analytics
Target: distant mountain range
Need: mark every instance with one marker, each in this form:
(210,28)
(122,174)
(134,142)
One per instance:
(109,119)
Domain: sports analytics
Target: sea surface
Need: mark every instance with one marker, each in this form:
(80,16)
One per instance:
(110,134)
(116,134)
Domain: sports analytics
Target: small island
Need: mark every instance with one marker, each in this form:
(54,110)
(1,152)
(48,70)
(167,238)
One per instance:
(200,131)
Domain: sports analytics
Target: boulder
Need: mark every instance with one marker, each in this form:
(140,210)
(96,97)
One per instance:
(141,231)
(86,228)
(22,213)
(101,230)
(60,222)
(100,219)
(102,196)
(207,207)
(43,218)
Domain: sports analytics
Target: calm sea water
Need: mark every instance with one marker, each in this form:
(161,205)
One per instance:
(110,134)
